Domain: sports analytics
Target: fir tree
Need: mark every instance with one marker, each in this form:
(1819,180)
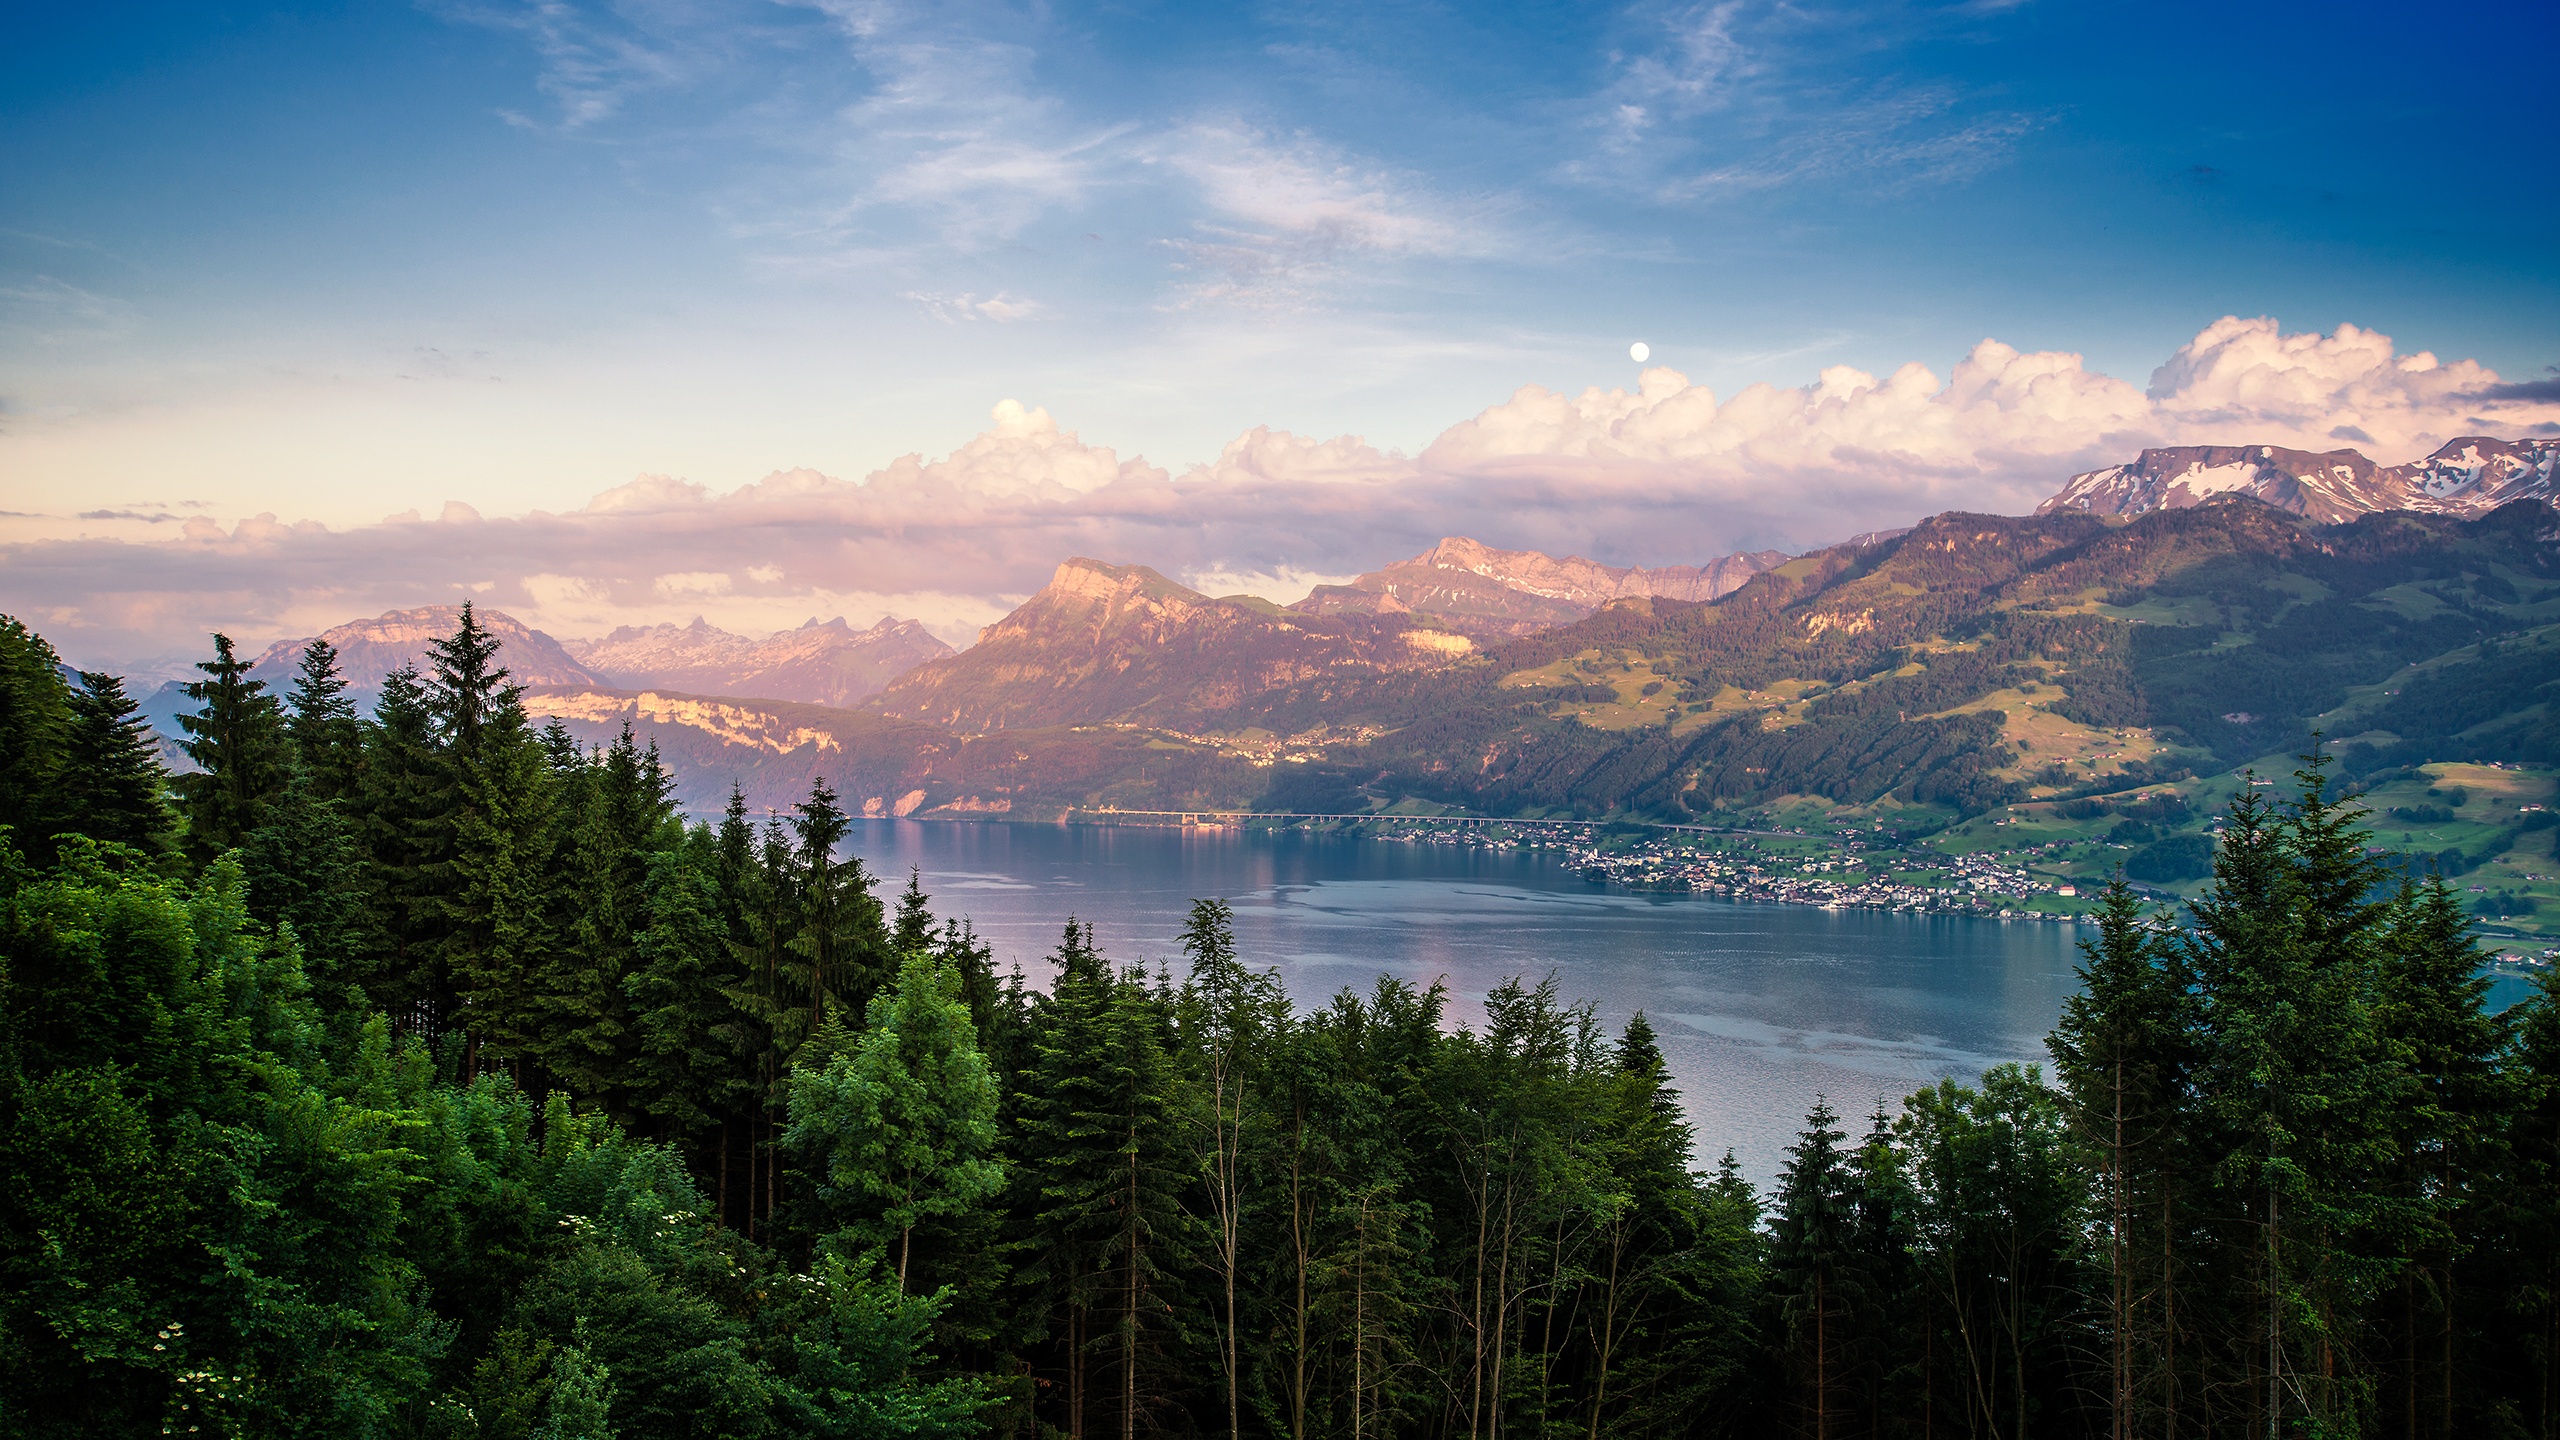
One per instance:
(404,817)
(237,743)
(113,787)
(328,739)
(1808,1243)
(35,720)
(688,1072)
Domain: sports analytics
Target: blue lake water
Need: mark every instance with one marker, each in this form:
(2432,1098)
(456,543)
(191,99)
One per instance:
(1759,1007)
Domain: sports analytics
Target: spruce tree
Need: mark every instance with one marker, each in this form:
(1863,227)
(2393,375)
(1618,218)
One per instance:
(328,738)
(2122,1052)
(35,720)
(404,816)
(113,786)
(237,742)
(688,1071)
(841,944)
(1808,1243)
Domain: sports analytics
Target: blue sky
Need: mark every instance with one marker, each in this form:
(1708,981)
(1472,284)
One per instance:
(335,263)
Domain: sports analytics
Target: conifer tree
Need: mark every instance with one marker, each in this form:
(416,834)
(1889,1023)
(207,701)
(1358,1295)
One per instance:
(688,1072)
(35,718)
(841,942)
(2121,1051)
(2446,1129)
(1229,1014)
(112,785)
(328,738)
(1808,1241)
(237,742)
(305,869)
(616,816)
(404,816)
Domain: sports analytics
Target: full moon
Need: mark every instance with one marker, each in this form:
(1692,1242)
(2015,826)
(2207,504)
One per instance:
(1639,352)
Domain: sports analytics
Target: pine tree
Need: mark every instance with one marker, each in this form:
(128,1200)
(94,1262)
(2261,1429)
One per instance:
(902,1128)
(616,815)
(113,787)
(238,746)
(498,897)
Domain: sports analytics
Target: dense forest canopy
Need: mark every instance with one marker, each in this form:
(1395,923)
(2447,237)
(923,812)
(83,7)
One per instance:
(425,1074)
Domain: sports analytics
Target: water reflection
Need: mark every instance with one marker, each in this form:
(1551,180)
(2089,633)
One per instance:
(1758,1006)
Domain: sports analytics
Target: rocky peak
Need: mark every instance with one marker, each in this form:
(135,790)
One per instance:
(2467,476)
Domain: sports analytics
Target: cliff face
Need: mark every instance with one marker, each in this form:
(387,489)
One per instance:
(1120,643)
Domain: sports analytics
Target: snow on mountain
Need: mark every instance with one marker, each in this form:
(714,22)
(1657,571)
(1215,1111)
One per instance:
(1519,592)
(2468,476)
(821,663)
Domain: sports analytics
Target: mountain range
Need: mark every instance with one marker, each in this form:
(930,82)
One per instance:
(823,662)
(1485,591)
(2469,476)
(2191,611)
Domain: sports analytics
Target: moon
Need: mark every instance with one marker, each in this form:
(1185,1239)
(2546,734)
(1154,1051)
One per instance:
(1639,352)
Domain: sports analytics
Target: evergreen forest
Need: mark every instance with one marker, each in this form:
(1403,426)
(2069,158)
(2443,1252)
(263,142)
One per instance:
(425,1073)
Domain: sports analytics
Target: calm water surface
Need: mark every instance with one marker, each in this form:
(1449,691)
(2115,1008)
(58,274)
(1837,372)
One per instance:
(1759,1006)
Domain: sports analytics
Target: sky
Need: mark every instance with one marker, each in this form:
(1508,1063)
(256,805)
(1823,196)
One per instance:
(623,313)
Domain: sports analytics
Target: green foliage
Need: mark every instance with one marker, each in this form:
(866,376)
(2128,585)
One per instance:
(2173,861)
(237,742)
(472,1095)
(902,1128)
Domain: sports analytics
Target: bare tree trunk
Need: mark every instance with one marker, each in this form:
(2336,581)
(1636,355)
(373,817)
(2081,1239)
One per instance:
(1298,1251)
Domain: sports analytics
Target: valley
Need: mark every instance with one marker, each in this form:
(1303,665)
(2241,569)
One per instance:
(2069,691)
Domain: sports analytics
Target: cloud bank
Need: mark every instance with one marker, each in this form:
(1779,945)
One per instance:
(1665,473)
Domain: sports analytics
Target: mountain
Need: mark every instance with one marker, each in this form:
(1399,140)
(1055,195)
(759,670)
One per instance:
(369,650)
(822,662)
(771,750)
(1972,662)
(1103,644)
(1519,592)
(2470,476)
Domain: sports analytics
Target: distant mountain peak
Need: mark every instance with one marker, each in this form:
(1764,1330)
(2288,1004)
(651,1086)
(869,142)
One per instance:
(2467,476)
(820,662)
(1518,592)
(369,650)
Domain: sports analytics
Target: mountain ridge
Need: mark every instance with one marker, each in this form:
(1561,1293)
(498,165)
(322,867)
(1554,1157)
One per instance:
(1518,592)
(2471,475)
(822,662)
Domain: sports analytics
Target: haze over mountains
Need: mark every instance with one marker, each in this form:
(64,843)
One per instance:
(1519,592)
(2191,609)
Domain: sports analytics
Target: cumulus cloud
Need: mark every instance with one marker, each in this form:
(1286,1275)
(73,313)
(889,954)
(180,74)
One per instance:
(1666,472)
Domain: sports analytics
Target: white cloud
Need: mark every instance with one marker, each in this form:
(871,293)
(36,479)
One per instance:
(1664,473)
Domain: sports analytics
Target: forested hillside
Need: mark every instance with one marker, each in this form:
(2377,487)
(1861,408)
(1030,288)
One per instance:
(423,1074)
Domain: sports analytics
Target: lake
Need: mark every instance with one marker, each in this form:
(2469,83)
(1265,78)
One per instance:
(1759,1007)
